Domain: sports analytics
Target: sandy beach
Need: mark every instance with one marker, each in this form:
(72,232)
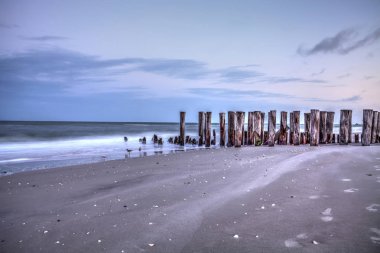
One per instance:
(250,199)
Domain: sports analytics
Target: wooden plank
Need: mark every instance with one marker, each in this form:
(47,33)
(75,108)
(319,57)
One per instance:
(222,127)
(314,127)
(330,126)
(307,127)
(296,127)
(291,127)
(367,127)
(182,128)
(251,138)
(345,127)
(208,129)
(323,127)
(271,128)
(201,127)
(231,128)
(239,129)
(374,127)
(283,135)
(257,128)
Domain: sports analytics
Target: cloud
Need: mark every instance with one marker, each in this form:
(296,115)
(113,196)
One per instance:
(344,76)
(349,99)
(8,26)
(44,38)
(226,93)
(342,43)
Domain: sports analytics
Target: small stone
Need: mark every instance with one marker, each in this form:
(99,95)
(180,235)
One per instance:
(151,244)
(57,242)
(236,236)
(315,242)
(99,241)
(45,232)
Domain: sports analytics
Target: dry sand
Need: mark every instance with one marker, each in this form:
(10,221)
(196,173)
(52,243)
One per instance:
(252,199)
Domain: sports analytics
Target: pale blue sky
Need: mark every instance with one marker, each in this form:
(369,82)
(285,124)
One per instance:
(147,60)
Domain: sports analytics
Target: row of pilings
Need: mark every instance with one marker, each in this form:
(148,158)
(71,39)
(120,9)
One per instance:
(318,128)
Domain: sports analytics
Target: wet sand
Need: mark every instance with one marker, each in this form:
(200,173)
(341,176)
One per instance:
(252,199)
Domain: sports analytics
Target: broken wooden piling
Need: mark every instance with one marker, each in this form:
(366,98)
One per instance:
(345,127)
(296,127)
(330,126)
(222,125)
(307,127)
(262,125)
(314,127)
(271,128)
(182,129)
(367,127)
(291,127)
(208,129)
(201,127)
(323,127)
(374,126)
(231,128)
(250,136)
(283,135)
(239,132)
(257,128)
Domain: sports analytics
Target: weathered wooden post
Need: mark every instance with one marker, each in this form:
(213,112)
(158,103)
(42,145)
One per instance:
(213,142)
(201,127)
(231,129)
(222,126)
(291,127)
(367,127)
(283,136)
(271,128)
(330,126)
(374,126)
(257,128)
(239,129)
(182,128)
(314,127)
(262,125)
(307,127)
(356,138)
(345,127)
(302,138)
(208,129)
(322,127)
(251,139)
(296,127)
(333,138)
(378,128)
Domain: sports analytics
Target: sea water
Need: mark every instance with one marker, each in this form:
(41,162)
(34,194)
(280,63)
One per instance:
(31,145)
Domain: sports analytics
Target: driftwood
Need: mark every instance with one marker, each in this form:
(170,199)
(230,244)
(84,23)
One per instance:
(222,127)
(250,136)
(283,134)
(330,126)
(271,128)
(231,128)
(345,127)
(257,128)
(208,129)
(314,127)
(182,129)
(239,129)
(374,127)
(307,127)
(296,127)
(201,127)
(367,127)
(323,127)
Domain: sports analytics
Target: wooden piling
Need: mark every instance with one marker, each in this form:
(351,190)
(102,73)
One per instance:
(231,128)
(283,136)
(201,127)
(378,128)
(257,128)
(251,138)
(356,138)
(262,125)
(314,127)
(367,127)
(291,127)
(222,127)
(271,128)
(323,127)
(345,127)
(213,142)
(307,127)
(239,129)
(374,126)
(296,127)
(182,128)
(208,129)
(302,138)
(330,126)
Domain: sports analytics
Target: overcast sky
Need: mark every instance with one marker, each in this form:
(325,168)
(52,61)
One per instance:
(144,60)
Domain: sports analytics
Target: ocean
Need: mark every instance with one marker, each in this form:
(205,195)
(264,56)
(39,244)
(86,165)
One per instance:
(32,145)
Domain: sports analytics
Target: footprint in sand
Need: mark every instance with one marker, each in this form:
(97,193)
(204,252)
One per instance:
(327,215)
(372,207)
(351,190)
(375,239)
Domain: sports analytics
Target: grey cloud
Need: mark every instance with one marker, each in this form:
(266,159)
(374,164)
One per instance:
(318,73)
(44,38)
(224,93)
(344,76)
(342,43)
(293,79)
(349,99)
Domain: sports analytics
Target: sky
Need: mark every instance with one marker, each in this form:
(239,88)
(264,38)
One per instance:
(141,60)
